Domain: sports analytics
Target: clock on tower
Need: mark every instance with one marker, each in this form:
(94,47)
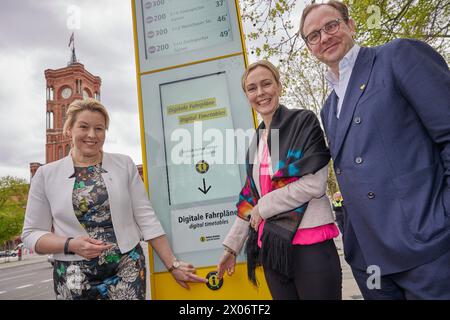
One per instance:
(66,93)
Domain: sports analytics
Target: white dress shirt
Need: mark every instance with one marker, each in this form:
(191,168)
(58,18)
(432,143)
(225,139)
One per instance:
(340,84)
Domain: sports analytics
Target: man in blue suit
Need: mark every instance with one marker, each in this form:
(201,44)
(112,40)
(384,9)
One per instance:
(388,126)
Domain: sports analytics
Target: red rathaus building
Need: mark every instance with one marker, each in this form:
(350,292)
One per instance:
(64,86)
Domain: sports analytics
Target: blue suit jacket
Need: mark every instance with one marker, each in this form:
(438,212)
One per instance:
(391,152)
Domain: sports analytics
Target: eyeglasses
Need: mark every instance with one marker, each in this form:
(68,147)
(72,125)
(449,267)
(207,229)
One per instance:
(330,28)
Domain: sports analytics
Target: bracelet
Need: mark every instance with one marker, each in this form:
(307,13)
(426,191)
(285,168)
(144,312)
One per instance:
(66,246)
(229,250)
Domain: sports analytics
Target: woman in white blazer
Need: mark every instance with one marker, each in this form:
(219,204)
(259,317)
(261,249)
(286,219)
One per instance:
(90,210)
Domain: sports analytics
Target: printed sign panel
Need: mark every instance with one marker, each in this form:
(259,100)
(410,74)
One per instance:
(196,115)
(202,228)
(196,124)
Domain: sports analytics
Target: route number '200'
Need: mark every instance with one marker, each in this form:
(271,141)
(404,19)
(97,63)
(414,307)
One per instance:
(156,17)
(159,48)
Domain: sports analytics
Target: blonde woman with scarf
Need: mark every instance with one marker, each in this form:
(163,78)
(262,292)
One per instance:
(284,215)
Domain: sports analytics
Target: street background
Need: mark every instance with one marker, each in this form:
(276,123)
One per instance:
(32,278)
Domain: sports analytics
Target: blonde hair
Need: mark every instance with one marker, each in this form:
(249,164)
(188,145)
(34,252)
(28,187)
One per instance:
(262,63)
(78,106)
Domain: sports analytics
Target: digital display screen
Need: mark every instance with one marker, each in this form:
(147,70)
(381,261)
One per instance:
(178,26)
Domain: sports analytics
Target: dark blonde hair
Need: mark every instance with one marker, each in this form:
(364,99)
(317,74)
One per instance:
(78,106)
(262,63)
(339,6)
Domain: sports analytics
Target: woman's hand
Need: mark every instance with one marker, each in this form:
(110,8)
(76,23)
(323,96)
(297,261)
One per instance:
(255,218)
(87,247)
(227,262)
(186,273)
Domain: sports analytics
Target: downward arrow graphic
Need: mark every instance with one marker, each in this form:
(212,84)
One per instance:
(204,190)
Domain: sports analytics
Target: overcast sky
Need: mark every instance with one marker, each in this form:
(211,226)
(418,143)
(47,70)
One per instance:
(34,36)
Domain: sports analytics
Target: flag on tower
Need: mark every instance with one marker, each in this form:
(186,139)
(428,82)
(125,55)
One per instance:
(71,39)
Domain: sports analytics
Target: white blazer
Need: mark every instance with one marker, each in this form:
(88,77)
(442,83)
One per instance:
(50,204)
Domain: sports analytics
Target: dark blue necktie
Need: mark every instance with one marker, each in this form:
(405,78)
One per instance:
(332,119)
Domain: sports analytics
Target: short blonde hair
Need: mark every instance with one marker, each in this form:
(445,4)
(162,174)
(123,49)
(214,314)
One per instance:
(78,106)
(261,63)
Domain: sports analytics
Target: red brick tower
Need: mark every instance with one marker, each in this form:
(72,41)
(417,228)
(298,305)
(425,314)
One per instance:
(64,86)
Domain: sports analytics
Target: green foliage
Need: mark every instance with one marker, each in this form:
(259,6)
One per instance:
(380,21)
(272,30)
(274,35)
(11,222)
(12,190)
(332,186)
(13,197)
(275,24)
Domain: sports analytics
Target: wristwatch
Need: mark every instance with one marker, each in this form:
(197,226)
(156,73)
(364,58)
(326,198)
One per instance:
(175,265)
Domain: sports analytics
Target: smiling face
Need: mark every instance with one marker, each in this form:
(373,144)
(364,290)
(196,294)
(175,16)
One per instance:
(331,49)
(88,133)
(263,91)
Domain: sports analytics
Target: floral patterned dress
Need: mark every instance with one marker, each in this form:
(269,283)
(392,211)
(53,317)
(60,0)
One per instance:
(112,275)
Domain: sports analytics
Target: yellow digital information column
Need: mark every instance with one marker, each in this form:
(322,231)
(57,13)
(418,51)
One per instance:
(196,125)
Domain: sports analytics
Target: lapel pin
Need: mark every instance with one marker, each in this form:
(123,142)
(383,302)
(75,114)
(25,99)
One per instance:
(363,86)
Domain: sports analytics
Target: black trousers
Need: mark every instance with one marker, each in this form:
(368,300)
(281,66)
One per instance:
(317,274)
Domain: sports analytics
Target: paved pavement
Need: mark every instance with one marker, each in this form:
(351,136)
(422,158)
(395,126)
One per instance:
(350,290)
(27,282)
(11,262)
